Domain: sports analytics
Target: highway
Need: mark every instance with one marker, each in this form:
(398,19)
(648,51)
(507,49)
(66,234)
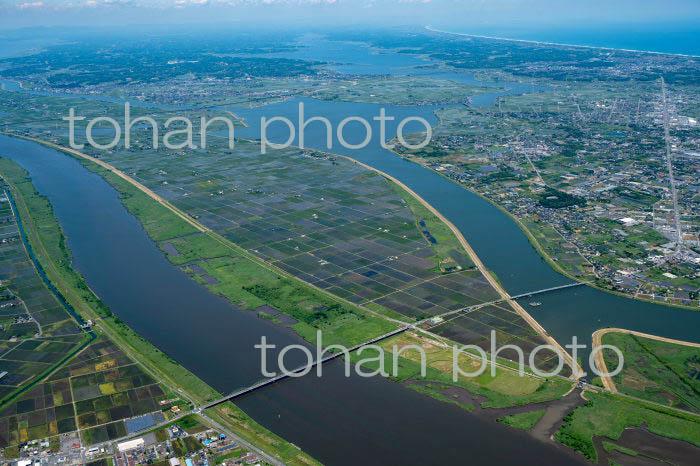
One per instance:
(669,166)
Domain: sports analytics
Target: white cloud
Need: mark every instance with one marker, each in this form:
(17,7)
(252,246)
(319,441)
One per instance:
(25,5)
(56,5)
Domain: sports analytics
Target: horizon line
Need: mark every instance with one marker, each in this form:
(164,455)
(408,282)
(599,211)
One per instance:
(539,42)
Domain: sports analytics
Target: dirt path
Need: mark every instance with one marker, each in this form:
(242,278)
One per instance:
(600,360)
(239,119)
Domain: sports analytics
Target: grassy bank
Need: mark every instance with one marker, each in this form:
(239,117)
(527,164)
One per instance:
(504,389)
(608,415)
(655,370)
(248,429)
(524,421)
(47,239)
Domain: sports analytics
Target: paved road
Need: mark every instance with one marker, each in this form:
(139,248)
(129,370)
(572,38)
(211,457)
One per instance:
(669,166)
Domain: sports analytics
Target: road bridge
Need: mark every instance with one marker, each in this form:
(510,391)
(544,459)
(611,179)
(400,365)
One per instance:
(307,367)
(475,307)
(549,290)
(300,369)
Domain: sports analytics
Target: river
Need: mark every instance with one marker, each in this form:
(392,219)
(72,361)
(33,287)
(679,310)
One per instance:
(497,240)
(339,421)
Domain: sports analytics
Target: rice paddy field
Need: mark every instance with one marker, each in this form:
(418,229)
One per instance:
(333,224)
(94,393)
(36,331)
(318,217)
(475,327)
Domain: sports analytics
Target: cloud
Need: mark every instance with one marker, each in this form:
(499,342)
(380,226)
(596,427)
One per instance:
(164,4)
(25,5)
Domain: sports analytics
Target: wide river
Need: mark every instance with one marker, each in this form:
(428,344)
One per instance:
(337,420)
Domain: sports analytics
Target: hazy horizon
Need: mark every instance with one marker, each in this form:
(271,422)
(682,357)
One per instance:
(478,14)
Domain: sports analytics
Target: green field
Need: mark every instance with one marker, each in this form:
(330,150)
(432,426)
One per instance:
(248,429)
(507,388)
(657,371)
(524,421)
(449,253)
(47,239)
(608,415)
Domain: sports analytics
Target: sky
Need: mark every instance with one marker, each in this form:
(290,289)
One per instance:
(463,13)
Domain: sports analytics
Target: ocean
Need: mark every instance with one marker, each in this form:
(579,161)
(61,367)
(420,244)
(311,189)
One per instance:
(678,37)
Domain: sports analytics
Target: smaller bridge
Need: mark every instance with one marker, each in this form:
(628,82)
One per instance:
(300,369)
(308,367)
(475,307)
(548,290)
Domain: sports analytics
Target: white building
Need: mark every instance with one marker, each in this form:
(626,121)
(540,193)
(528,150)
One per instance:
(130,444)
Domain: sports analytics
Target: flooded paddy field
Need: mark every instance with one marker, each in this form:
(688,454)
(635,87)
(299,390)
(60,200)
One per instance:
(94,393)
(36,331)
(321,218)
(474,328)
(333,224)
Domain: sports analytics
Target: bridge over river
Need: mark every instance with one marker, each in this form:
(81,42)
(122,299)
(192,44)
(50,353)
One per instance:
(301,369)
(307,367)
(467,310)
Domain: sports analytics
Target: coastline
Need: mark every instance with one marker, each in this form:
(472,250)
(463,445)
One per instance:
(559,44)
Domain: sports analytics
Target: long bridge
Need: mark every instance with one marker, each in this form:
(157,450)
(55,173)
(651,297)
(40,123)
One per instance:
(305,367)
(549,290)
(467,310)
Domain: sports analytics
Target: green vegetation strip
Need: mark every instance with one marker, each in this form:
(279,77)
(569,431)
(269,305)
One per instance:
(506,389)
(46,236)
(656,370)
(89,335)
(446,245)
(249,430)
(608,415)
(524,421)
